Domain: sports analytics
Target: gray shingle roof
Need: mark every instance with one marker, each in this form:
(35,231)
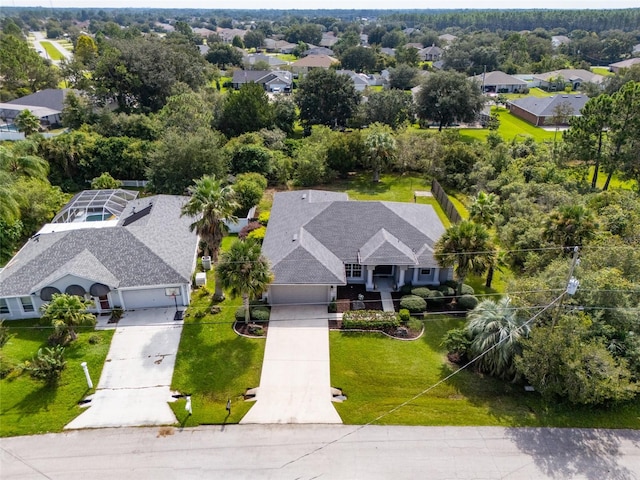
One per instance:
(498,78)
(52,98)
(544,107)
(312,234)
(157,249)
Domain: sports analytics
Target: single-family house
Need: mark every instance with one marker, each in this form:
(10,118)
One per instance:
(278,46)
(616,67)
(228,34)
(318,51)
(430,54)
(388,51)
(109,247)
(253,58)
(275,81)
(303,65)
(499,82)
(447,38)
(558,40)
(46,104)
(540,111)
(360,80)
(328,39)
(559,79)
(319,240)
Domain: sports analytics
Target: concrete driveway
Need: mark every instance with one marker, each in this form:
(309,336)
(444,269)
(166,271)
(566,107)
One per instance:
(134,387)
(295,384)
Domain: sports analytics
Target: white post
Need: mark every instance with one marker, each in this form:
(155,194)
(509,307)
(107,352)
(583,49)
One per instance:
(401,276)
(86,374)
(415,275)
(370,269)
(187,406)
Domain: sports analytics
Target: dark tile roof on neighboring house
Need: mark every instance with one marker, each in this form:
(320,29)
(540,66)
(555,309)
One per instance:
(312,234)
(156,249)
(52,98)
(544,107)
(261,77)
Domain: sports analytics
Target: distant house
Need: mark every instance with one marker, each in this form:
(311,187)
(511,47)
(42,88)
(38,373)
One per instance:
(310,62)
(253,58)
(318,51)
(276,81)
(559,79)
(228,34)
(278,46)
(360,80)
(616,67)
(447,37)
(388,51)
(312,253)
(204,32)
(636,49)
(540,111)
(416,45)
(430,54)
(46,104)
(110,248)
(558,40)
(499,82)
(328,39)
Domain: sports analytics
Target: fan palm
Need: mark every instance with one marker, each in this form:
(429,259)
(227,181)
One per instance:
(244,271)
(495,325)
(65,312)
(466,246)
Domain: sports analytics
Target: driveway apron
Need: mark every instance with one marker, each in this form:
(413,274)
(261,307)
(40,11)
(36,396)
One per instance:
(295,384)
(134,387)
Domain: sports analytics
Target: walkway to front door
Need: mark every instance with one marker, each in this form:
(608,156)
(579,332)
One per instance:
(295,383)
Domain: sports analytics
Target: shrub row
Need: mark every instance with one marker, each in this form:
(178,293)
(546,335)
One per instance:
(257,314)
(369,319)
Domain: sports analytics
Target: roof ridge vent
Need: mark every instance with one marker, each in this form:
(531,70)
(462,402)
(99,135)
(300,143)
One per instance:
(295,237)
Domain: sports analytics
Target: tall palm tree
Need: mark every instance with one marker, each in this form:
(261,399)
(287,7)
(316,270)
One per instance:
(9,206)
(570,225)
(212,205)
(484,210)
(381,146)
(466,246)
(244,271)
(65,312)
(496,325)
(17,163)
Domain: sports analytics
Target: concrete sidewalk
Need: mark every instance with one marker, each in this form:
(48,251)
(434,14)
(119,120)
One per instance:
(295,384)
(134,387)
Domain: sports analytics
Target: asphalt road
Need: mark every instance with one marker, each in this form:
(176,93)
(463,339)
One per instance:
(324,451)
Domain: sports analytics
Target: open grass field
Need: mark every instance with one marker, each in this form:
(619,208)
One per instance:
(52,52)
(533,92)
(510,127)
(28,406)
(213,363)
(378,374)
(602,71)
(286,57)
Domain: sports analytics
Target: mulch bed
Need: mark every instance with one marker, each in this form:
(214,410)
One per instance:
(245,329)
(348,293)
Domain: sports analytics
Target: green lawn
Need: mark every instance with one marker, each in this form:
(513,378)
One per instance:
(602,71)
(28,406)
(616,182)
(510,127)
(392,187)
(533,92)
(377,374)
(286,57)
(213,363)
(52,52)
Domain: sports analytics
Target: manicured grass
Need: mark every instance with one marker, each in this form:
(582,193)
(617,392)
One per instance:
(616,182)
(391,187)
(52,52)
(510,127)
(533,92)
(602,71)
(214,363)
(28,406)
(286,57)
(378,374)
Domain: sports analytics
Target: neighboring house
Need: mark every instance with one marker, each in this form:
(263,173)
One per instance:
(328,39)
(310,62)
(558,40)
(430,54)
(110,248)
(499,82)
(540,111)
(204,32)
(388,51)
(364,40)
(636,49)
(416,45)
(318,240)
(278,46)
(227,34)
(360,80)
(616,67)
(318,51)
(276,81)
(46,104)
(204,49)
(253,58)
(447,37)
(559,79)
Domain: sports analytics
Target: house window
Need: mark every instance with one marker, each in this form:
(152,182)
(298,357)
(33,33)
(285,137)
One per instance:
(353,270)
(27,304)
(4,307)
(425,271)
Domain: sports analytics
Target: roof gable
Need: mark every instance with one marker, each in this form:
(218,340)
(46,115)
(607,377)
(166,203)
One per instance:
(386,248)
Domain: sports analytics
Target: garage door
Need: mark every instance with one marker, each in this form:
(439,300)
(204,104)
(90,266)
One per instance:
(150,298)
(299,294)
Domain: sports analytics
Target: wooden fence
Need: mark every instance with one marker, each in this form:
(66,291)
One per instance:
(447,206)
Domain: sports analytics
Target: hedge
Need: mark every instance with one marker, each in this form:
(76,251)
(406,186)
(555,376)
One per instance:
(369,320)
(448,293)
(422,292)
(468,302)
(413,303)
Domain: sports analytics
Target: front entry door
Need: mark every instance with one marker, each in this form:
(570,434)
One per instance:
(383,270)
(104,303)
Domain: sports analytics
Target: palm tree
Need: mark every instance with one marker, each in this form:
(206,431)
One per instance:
(495,325)
(18,164)
(466,246)
(570,225)
(381,146)
(9,206)
(244,271)
(484,209)
(66,312)
(212,205)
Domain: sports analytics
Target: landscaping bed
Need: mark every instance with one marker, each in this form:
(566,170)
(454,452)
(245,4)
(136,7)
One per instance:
(348,293)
